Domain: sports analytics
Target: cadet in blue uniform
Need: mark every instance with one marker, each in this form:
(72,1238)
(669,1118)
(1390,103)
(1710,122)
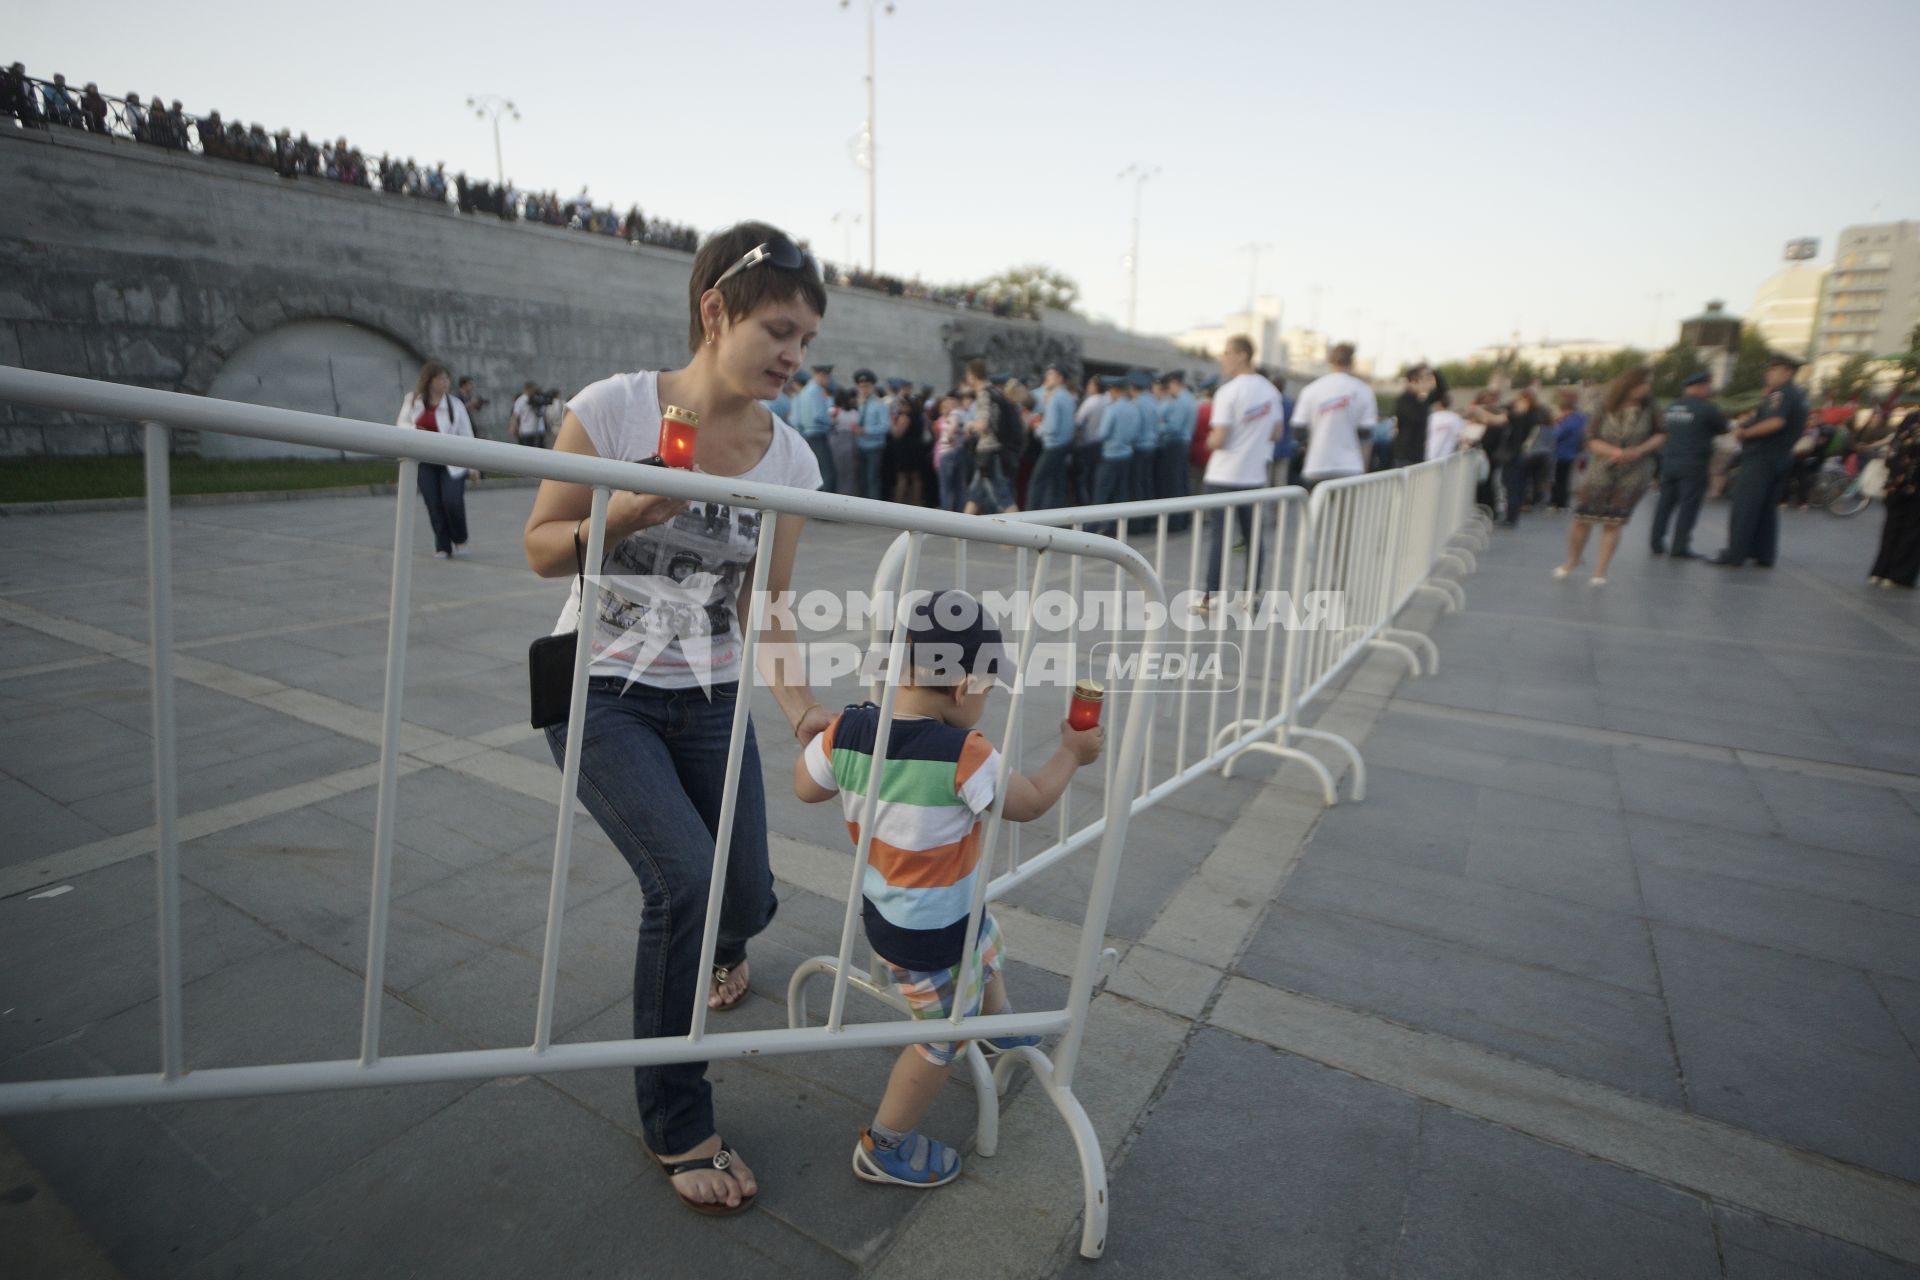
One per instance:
(813,418)
(1766,451)
(1048,485)
(782,404)
(1146,447)
(875,421)
(1120,428)
(1691,423)
(1178,413)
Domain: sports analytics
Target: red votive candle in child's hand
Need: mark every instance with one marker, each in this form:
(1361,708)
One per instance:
(1084,713)
(678,427)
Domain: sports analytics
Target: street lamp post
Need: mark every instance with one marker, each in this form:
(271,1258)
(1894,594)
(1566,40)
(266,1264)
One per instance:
(872,145)
(492,106)
(1140,176)
(1253,251)
(847,219)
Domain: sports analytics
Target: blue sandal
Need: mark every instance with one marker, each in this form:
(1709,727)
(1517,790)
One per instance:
(919,1161)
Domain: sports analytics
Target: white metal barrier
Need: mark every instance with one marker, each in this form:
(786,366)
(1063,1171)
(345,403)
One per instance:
(162,412)
(1374,543)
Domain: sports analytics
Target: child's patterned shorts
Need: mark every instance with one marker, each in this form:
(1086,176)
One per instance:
(930,992)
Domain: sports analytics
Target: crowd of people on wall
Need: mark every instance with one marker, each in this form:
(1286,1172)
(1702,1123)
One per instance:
(39,104)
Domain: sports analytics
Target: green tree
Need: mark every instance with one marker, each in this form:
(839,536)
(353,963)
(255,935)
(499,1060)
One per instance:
(1673,367)
(1030,289)
(1749,363)
(1467,373)
(1909,367)
(1853,380)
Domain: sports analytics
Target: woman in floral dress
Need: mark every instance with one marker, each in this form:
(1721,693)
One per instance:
(1621,442)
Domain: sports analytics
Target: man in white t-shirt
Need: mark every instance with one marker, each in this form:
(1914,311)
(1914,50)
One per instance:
(1245,420)
(1444,428)
(1333,409)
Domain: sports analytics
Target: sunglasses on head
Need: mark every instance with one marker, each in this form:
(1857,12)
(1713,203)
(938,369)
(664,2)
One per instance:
(778,250)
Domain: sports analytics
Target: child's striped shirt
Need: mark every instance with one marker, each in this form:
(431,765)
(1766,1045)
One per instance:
(925,856)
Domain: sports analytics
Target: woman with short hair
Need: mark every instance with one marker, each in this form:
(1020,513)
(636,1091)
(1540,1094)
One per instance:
(430,407)
(665,673)
(1621,441)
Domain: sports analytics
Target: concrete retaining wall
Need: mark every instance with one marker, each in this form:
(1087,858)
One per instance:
(159,269)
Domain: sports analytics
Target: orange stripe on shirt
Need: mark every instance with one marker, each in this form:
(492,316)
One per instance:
(934,868)
(973,754)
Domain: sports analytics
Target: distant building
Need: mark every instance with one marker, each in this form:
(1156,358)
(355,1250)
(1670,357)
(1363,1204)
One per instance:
(1544,355)
(1786,305)
(1872,298)
(1261,326)
(1301,352)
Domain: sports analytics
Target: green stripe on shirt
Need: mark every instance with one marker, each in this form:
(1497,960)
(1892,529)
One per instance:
(921,782)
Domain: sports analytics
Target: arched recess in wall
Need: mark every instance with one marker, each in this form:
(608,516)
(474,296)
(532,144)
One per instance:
(335,367)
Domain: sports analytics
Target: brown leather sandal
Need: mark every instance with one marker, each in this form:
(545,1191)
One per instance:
(721,1161)
(722,973)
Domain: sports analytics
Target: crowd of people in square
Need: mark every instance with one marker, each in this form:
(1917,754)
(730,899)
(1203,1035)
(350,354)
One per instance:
(1001,442)
(1599,451)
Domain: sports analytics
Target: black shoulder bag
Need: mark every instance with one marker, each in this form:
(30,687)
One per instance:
(550,658)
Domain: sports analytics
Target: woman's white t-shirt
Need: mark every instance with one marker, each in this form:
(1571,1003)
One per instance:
(669,600)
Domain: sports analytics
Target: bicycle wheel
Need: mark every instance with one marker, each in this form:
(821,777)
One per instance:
(1849,502)
(1828,487)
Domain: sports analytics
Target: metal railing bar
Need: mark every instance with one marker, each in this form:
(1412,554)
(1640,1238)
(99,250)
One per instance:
(588,621)
(157,441)
(399,611)
(730,784)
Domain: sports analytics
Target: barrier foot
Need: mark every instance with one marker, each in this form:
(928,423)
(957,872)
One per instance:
(986,1097)
(986,1083)
(1358,791)
(1413,659)
(1086,1144)
(1328,792)
(1228,731)
(1453,589)
(1425,642)
(1447,603)
(1461,559)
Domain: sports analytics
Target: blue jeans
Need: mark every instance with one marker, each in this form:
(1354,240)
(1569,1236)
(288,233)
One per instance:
(991,489)
(870,472)
(953,489)
(1216,524)
(652,765)
(822,446)
(446,505)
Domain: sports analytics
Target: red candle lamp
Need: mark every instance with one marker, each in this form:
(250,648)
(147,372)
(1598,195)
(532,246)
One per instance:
(1084,712)
(678,427)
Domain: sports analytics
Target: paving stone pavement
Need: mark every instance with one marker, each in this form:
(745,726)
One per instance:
(1615,971)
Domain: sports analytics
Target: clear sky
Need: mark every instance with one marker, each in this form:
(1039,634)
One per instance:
(1443,173)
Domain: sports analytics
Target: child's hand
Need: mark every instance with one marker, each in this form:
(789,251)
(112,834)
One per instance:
(1083,744)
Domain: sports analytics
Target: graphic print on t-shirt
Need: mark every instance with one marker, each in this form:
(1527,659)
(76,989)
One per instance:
(667,598)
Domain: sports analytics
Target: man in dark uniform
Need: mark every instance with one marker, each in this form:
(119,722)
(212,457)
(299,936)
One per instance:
(1766,451)
(1691,424)
(1425,388)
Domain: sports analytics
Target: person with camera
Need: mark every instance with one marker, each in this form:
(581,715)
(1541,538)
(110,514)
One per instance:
(529,427)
